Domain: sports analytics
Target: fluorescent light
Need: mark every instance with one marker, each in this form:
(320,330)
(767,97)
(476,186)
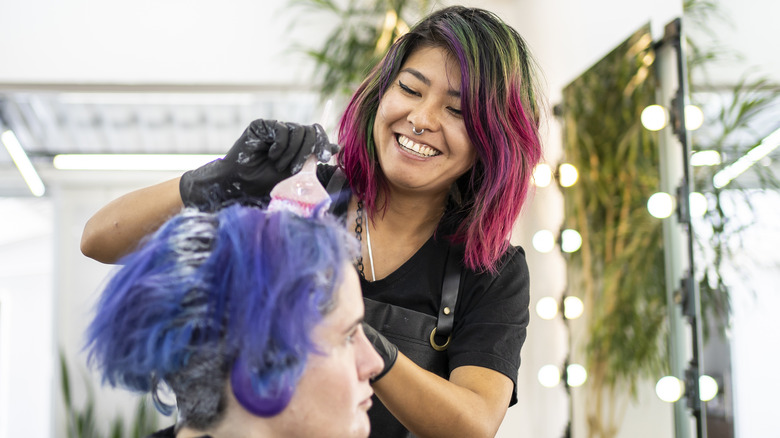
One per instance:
(131,161)
(768,144)
(705,158)
(23,163)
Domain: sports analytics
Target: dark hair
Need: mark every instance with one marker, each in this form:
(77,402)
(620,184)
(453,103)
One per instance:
(499,106)
(209,291)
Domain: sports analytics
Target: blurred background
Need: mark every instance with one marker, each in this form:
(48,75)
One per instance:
(651,242)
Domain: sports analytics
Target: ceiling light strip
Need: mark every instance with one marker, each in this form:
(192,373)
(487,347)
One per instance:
(22,162)
(768,144)
(131,161)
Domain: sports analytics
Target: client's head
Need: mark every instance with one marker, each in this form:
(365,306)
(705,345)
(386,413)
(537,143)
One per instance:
(251,318)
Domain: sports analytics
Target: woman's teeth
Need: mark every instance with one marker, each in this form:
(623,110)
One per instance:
(419,149)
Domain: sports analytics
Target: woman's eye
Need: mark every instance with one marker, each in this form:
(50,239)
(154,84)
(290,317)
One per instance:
(351,337)
(455,111)
(407,89)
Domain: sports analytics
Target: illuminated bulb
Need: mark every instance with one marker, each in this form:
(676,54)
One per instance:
(654,117)
(570,240)
(542,175)
(547,308)
(660,205)
(694,118)
(576,375)
(698,203)
(567,175)
(543,241)
(708,388)
(669,389)
(705,158)
(549,376)
(572,307)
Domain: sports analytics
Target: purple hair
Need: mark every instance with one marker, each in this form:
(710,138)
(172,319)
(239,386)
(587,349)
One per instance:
(208,293)
(500,112)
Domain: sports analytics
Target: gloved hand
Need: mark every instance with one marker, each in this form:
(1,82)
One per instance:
(386,349)
(267,152)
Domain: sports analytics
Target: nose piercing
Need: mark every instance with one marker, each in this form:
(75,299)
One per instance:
(415,130)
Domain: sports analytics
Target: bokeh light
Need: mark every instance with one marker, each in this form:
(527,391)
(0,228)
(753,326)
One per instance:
(669,389)
(549,376)
(571,240)
(543,241)
(547,308)
(576,375)
(567,175)
(660,205)
(654,117)
(572,307)
(542,175)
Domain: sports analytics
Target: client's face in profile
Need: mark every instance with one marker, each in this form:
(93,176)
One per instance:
(334,393)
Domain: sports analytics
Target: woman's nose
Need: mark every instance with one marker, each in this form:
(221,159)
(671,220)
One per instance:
(368,361)
(424,116)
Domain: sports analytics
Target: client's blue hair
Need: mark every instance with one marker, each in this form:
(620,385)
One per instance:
(239,284)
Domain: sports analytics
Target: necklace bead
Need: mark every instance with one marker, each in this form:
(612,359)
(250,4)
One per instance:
(358,234)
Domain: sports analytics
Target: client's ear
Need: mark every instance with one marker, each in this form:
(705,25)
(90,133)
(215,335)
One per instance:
(263,399)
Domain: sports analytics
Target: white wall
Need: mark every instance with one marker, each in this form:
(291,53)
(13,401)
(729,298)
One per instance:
(151,41)
(27,347)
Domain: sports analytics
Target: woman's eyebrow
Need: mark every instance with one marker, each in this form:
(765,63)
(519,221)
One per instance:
(353,325)
(426,81)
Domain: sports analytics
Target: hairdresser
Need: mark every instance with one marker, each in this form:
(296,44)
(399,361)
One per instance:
(438,145)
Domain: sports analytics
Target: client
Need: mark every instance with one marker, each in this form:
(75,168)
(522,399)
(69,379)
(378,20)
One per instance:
(253,319)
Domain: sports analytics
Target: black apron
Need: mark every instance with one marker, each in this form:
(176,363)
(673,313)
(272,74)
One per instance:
(421,337)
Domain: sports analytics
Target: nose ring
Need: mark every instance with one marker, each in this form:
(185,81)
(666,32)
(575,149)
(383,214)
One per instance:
(416,132)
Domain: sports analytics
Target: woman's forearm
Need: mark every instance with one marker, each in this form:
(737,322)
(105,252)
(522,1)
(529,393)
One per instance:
(117,228)
(472,403)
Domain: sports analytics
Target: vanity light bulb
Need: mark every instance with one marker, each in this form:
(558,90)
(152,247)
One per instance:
(654,117)
(694,117)
(660,205)
(547,308)
(669,389)
(542,175)
(543,241)
(549,376)
(571,240)
(576,375)
(567,175)
(698,203)
(572,307)
(708,388)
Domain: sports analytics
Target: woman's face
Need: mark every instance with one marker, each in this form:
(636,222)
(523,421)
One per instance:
(333,396)
(424,96)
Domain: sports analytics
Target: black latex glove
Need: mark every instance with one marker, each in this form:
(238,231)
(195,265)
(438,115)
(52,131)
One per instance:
(267,152)
(386,349)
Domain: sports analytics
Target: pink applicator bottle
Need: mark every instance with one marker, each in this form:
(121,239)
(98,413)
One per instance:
(301,193)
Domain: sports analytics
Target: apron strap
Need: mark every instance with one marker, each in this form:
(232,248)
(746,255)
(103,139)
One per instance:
(449,296)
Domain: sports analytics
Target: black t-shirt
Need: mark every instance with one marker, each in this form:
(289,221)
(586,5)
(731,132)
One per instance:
(491,314)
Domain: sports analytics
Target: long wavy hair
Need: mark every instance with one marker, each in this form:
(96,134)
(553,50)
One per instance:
(500,111)
(211,289)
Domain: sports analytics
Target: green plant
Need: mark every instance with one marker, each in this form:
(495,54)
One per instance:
(733,127)
(83,422)
(363,32)
(619,270)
